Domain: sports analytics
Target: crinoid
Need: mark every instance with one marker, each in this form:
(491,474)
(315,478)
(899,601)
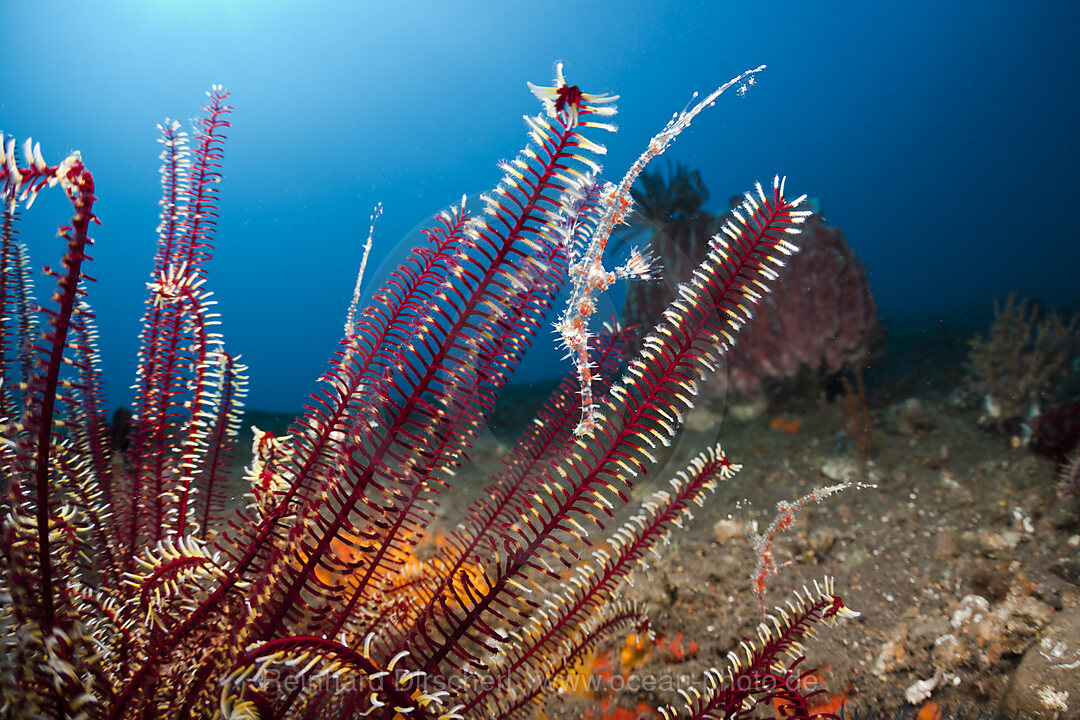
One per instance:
(670,209)
(659,199)
(130,593)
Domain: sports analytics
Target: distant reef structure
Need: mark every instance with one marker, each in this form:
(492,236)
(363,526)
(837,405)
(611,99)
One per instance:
(1022,362)
(1024,377)
(799,339)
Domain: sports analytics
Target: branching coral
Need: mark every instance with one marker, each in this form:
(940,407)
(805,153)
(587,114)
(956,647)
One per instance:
(1015,366)
(130,595)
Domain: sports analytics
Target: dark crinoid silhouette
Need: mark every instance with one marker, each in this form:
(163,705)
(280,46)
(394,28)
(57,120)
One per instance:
(669,206)
(130,592)
(660,200)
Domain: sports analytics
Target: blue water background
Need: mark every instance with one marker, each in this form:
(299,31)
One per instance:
(941,136)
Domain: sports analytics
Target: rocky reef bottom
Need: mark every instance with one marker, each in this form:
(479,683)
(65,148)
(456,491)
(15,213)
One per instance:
(963,561)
